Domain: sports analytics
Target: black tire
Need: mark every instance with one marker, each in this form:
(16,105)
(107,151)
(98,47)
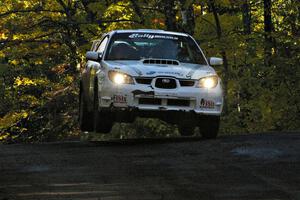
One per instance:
(186,129)
(209,127)
(103,120)
(86,118)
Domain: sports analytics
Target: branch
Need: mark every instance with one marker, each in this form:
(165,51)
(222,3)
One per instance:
(116,20)
(156,8)
(31,41)
(37,39)
(210,23)
(138,11)
(65,7)
(29,11)
(62,4)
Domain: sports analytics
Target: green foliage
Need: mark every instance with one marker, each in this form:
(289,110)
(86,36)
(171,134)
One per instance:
(141,128)
(42,44)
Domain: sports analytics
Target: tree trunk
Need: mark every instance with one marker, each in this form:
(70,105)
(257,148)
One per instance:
(170,15)
(91,16)
(2,88)
(223,52)
(138,11)
(188,17)
(268,27)
(247,21)
(295,18)
(246,17)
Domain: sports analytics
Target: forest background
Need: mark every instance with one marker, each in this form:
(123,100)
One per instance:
(43,43)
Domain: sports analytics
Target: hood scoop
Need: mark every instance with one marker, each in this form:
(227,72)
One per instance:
(161,61)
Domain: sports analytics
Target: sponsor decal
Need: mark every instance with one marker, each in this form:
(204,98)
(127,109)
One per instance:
(165,73)
(190,74)
(152,36)
(207,104)
(119,99)
(151,73)
(171,73)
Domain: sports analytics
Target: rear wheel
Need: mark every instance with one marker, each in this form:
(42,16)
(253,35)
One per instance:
(103,120)
(85,117)
(209,127)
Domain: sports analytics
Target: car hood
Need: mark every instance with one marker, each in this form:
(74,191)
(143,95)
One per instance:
(183,70)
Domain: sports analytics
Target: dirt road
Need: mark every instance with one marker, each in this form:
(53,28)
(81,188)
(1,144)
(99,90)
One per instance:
(258,167)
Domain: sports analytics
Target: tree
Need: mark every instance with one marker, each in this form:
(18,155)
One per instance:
(42,44)
(246,12)
(268,27)
(212,5)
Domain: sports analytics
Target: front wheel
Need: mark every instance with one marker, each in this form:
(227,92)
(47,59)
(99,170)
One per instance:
(186,126)
(209,127)
(103,120)
(186,130)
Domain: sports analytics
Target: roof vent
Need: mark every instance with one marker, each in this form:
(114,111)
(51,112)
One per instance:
(161,61)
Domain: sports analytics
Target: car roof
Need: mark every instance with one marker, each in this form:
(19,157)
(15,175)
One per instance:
(147,31)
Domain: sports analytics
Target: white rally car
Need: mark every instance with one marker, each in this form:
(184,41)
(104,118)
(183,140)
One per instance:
(150,73)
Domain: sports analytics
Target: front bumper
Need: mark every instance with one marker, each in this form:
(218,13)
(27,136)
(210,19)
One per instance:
(148,98)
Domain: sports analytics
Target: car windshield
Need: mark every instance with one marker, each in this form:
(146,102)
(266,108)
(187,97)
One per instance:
(138,46)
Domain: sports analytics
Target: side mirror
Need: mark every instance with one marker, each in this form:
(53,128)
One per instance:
(215,61)
(94,56)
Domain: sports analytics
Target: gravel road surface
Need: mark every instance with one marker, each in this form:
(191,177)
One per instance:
(258,167)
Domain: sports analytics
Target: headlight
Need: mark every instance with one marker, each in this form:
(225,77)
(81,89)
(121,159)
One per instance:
(120,78)
(208,82)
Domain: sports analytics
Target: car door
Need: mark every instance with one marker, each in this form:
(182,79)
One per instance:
(100,69)
(92,67)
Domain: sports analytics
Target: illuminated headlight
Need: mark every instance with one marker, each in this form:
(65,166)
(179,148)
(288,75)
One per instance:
(208,82)
(120,78)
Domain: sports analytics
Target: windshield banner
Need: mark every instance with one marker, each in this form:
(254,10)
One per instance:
(153,36)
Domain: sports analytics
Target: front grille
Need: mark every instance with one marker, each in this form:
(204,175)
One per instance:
(149,101)
(146,81)
(178,102)
(165,83)
(187,83)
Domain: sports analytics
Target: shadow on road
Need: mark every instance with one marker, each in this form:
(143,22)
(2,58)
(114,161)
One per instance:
(142,141)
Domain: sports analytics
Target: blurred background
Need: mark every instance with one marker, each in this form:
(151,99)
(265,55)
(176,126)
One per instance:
(43,43)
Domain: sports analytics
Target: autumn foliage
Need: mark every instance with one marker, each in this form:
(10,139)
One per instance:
(42,47)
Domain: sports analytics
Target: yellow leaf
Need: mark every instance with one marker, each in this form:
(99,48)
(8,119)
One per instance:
(2,55)
(3,36)
(14,62)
